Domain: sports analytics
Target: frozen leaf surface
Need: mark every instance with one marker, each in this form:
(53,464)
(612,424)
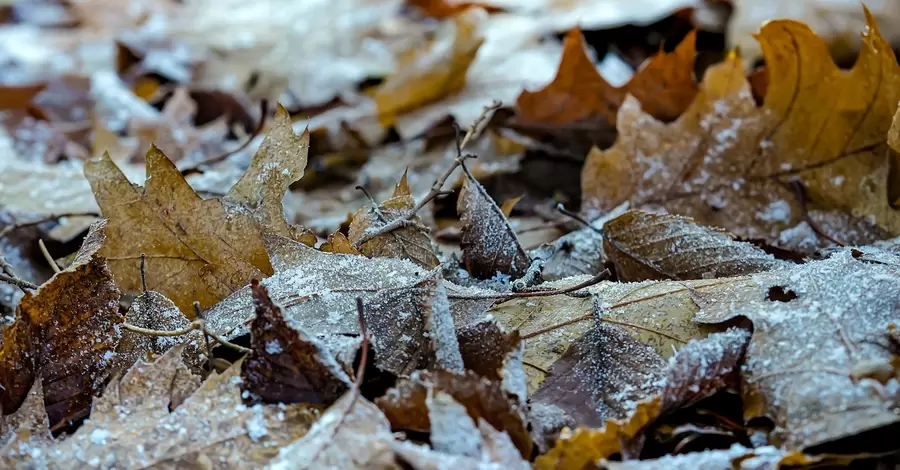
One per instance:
(650,246)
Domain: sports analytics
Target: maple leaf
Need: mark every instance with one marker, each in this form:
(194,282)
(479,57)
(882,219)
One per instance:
(728,163)
(197,250)
(65,333)
(410,242)
(648,246)
(489,244)
(665,87)
(406,307)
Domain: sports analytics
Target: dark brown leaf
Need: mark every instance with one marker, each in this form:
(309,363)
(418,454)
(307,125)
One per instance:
(405,404)
(287,365)
(650,246)
(489,244)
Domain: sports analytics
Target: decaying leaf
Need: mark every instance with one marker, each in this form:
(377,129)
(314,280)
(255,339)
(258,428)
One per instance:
(737,457)
(352,434)
(26,428)
(287,365)
(649,246)
(411,242)
(132,425)
(196,250)
(317,292)
(812,325)
(339,243)
(153,311)
(405,404)
(665,87)
(490,246)
(66,334)
(728,163)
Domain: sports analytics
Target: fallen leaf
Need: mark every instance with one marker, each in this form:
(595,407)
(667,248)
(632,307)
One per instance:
(405,306)
(29,422)
(728,163)
(352,434)
(287,365)
(196,250)
(339,243)
(66,334)
(737,457)
(153,311)
(665,87)
(411,242)
(490,246)
(649,246)
(17,97)
(133,427)
(406,408)
(809,392)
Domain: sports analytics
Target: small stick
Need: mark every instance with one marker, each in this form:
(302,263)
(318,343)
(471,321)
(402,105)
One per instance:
(143,272)
(566,212)
(264,110)
(199,313)
(20,283)
(8,269)
(47,256)
(473,129)
(371,199)
(20,225)
(535,293)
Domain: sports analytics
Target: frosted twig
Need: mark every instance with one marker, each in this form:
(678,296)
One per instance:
(263,111)
(534,293)
(50,260)
(195,325)
(566,212)
(31,223)
(436,188)
(20,283)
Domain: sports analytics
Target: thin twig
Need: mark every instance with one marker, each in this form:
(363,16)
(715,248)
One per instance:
(436,188)
(8,269)
(263,111)
(20,283)
(31,223)
(50,260)
(535,293)
(143,273)
(199,314)
(566,212)
(195,325)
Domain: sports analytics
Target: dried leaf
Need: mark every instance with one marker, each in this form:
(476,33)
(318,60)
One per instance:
(727,163)
(665,87)
(197,250)
(737,457)
(132,426)
(490,246)
(411,242)
(649,246)
(28,423)
(352,434)
(66,334)
(438,70)
(405,306)
(287,365)
(494,354)
(154,311)
(339,243)
(838,309)
(406,408)
(17,97)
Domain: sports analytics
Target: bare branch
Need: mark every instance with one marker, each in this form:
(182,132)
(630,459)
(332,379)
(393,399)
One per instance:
(50,260)
(535,293)
(50,218)
(263,111)
(20,283)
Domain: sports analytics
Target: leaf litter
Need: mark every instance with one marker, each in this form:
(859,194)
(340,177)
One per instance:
(724,296)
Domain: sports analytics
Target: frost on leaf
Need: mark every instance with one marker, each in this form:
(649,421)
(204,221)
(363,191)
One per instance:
(665,87)
(286,365)
(66,334)
(737,457)
(800,363)
(405,404)
(196,249)
(648,246)
(154,311)
(410,242)
(494,354)
(489,244)
(728,163)
(317,292)
(353,433)
(26,429)
(133,427)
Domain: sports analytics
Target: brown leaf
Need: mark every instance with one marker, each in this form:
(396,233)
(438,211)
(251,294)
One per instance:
(494,354)
(197,250)
(489,244)
(736,457)
(287,365)
(728,163)
(405,306)
(813,326)
(66,333)
(154,311)
(406,408)
(339,243)
(411,242)
(132,425)
(649,246)
(665,86)
(28,422)
(17,97)
(352,434)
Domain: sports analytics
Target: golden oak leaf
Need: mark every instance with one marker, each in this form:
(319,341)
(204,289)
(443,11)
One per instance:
(197,250)
(65,333)
(729,163)
(339,243)
(665,86)
(435,71)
